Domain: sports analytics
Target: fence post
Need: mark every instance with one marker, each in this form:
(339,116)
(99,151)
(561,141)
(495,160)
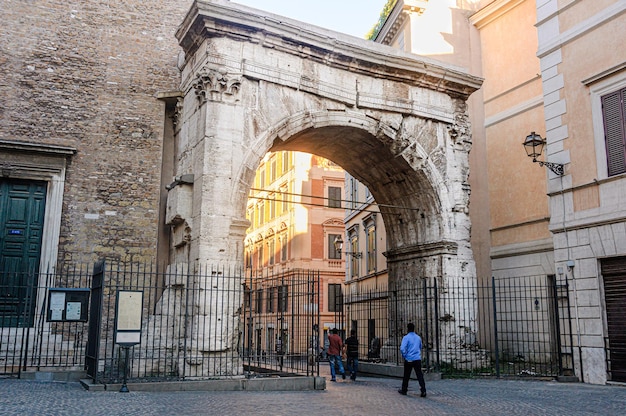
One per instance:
(571,333)
(437,334)
(249,327)
(395,322)
(426,326)
(27,315)
(555,303)
(495,325)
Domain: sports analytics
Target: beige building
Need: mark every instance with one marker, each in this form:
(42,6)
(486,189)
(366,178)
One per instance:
(556,69)
(364,242)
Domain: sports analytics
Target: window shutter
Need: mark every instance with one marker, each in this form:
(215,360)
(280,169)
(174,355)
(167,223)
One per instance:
(613,110)
(334,197)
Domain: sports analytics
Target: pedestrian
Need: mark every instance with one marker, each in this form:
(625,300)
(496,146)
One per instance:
(352,354)
(335,346)
(411,349)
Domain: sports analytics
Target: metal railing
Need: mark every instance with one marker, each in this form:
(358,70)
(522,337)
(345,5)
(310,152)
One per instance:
(211,322)
(201,323)
(510,327)
(29,339)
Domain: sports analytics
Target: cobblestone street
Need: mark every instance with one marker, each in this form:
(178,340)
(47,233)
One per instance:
(366,396)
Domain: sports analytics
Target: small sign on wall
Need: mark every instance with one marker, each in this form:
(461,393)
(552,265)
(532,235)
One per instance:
(68,305)
(128,313)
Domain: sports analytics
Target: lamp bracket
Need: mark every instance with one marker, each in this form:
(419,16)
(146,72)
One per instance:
(557,168)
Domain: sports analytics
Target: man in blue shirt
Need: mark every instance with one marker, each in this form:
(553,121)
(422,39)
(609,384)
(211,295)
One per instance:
(411,349)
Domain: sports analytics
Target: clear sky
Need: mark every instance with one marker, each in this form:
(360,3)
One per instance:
(354,17)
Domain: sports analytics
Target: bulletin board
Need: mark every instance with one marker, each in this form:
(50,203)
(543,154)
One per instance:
(128,316)
(68,305)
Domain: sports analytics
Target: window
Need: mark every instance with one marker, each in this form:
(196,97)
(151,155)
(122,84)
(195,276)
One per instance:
(272,207)
(371,249)
(285,162)
(335,297)
(608,113)
(334,197)
(272,252)
(369,223)
(333,253)
(248,298)
(614,119)
(283,293)
(259,301)
(261,216)
(354,260)
(273,170)
(260,254)
(270,300)
(354,193)
(249,258)
(283,198)
(283,248)
(262,178)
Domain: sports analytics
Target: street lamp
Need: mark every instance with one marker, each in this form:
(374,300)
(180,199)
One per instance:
(339,245)
(534,147)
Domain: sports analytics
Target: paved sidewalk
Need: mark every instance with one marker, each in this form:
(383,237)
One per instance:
(366,396)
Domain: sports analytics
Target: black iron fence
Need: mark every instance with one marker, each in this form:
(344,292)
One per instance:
(510,327)
(211,322)
(205,323)
(194,323)
(34,332)
(282,316)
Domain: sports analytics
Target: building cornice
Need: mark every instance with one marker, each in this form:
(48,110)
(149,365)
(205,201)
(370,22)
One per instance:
(575,32)
(38,148)
(492,12)
(400,13)
(220,18)
(519,249)
(423,250)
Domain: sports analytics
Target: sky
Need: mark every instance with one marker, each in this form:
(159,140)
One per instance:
(354,17)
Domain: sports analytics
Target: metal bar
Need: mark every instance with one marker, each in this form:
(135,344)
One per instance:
(495,325)
(437,329)
(426,326)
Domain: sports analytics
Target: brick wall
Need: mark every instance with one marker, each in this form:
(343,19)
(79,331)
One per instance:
(85,74)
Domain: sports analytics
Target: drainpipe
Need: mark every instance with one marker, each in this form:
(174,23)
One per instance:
(570,267)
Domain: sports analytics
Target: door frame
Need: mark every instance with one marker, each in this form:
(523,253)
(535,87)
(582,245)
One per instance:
(47,163)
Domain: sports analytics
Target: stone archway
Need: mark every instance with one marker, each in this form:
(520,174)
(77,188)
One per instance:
(252,83)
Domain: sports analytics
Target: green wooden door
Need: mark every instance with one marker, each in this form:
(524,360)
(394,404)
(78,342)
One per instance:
(22,208)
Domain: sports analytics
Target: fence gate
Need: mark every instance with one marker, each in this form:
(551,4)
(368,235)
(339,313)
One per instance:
(95,319)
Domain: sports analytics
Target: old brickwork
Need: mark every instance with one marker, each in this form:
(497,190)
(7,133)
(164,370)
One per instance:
(85,74)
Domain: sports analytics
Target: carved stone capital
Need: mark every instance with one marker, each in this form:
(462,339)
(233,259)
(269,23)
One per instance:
(215,84)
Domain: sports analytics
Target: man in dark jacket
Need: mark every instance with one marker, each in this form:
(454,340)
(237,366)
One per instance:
(352,354)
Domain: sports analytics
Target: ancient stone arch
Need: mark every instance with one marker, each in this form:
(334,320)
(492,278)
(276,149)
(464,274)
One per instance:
(253,82)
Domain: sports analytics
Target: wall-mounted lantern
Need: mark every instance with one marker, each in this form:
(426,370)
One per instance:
(339,246)
(534,144)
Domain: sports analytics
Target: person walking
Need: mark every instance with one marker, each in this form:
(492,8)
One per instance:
(352,354)
(411,349)
(335,346)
